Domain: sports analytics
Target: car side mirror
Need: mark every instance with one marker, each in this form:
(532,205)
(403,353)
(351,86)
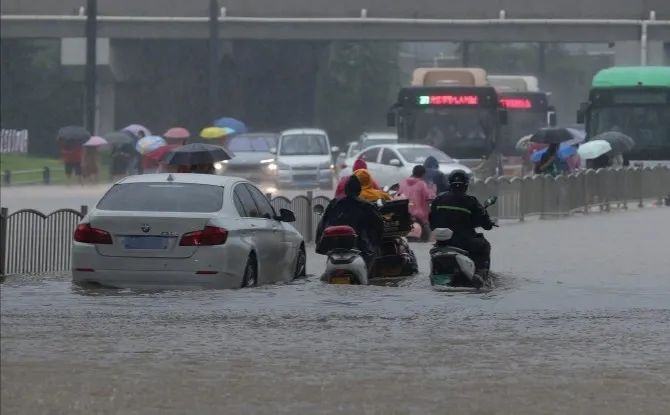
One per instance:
(273,150)
(286,215)
(502,116)
(552,119)
(318,209)
(490,201)
(395,162)
(334,149)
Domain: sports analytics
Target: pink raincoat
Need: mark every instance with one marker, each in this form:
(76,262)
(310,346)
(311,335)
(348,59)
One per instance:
(419,195)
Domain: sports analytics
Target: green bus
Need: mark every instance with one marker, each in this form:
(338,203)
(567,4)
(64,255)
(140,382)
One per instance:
(634,101)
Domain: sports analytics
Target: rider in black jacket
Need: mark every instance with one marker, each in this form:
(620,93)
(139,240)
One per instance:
(360,215)
(463,213)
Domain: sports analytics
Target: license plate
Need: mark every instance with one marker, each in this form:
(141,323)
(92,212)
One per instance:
(342,279)
(304,177)
(146,242)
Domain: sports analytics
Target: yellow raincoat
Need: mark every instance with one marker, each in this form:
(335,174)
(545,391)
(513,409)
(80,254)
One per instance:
(368,192)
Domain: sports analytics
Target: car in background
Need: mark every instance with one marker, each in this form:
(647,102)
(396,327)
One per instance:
(389,164)
(304,159)
(254,159)
(369,139)
(189,230)
(366,140)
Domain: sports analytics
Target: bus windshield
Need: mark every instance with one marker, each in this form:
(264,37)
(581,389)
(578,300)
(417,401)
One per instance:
(648,125)
(463,132)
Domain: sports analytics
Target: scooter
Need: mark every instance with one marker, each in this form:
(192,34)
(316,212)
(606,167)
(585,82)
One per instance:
(345,264)
(451,268)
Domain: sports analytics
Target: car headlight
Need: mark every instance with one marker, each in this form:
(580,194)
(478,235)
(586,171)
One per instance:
(218,166)
(267,161)
(272,166)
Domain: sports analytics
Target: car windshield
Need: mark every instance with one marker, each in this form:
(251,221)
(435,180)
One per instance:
(163,197)
(304,145)
(244,143)
(419,154)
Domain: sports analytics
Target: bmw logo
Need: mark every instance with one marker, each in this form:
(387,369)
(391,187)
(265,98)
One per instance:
(146,228)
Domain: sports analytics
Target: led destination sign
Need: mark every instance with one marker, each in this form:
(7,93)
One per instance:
(448,100)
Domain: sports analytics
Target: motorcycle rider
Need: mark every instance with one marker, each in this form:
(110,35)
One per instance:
(362,216)
(463,213)
(358,165)
(368,192)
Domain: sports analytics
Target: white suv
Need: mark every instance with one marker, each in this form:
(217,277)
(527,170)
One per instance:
(304,159)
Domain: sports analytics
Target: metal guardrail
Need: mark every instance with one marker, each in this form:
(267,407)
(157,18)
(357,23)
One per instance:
(32,242)
(9,176)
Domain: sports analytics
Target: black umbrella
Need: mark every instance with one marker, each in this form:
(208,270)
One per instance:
(119,138)
(73,134)
(620,142)
(197,153)
(553,135)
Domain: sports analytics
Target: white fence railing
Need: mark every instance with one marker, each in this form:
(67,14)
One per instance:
(13,141)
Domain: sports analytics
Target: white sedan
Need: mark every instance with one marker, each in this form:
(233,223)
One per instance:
(389,164)
(186,230)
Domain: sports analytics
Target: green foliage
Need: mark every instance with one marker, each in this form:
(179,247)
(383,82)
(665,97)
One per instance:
(36,94)
(356,85)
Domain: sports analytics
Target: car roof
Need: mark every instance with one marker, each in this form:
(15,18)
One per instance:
(210,179)
(257,134)
(303,131)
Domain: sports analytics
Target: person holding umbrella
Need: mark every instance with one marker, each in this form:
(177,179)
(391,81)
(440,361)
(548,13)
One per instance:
(71,138)
(89,163)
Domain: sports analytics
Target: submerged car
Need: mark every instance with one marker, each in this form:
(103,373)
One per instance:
(254,159)
(186,230)
(389,164)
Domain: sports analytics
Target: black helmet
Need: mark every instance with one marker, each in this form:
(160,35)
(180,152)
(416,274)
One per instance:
(459,180)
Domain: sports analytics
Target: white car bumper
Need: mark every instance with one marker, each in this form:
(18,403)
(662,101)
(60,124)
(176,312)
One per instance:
(209,267)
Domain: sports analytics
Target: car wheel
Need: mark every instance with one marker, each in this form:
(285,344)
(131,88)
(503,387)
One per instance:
(250,277)
(300,263)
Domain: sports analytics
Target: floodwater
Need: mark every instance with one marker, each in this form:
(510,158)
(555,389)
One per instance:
(579,324)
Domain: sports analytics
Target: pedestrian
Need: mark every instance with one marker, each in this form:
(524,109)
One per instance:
(549,163)
(434,177)
(121,157)
(89,164)
(419,194)
(71,154)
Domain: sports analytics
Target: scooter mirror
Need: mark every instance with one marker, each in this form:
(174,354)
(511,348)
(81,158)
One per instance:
(490,201)
(318,209)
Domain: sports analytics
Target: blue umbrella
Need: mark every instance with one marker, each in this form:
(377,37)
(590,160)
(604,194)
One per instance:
(564,153)
(149,143)
(236,125)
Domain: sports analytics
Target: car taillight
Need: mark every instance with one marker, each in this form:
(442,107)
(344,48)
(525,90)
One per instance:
(211,235)
(87,234)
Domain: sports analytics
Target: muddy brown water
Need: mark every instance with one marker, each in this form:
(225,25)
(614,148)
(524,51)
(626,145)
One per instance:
(579,324)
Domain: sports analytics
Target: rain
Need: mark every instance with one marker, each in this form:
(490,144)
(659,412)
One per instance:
(556,113)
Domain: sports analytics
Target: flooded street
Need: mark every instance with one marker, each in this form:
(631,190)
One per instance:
(580,323)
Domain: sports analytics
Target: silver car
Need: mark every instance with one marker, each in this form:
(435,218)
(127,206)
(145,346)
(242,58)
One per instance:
(186,230)
(254,159)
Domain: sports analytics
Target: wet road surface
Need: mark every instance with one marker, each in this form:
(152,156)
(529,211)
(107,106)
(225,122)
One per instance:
(579,324)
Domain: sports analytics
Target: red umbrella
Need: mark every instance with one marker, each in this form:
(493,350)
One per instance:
(158,153)
(178,133)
